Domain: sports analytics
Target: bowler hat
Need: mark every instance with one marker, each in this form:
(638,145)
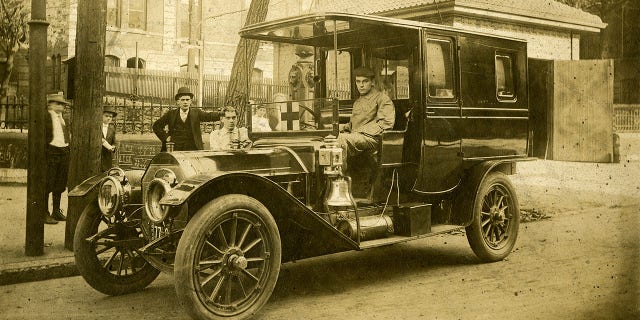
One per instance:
(183,91)
(109,109)
(57,97)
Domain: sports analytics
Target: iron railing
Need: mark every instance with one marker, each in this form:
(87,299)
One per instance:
(626,118)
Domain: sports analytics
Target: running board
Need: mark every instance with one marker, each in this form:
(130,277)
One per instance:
(393,239)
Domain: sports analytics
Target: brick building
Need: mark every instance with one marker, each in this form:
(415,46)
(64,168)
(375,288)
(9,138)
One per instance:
(156,32)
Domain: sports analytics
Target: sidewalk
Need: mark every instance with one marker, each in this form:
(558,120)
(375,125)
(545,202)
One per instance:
(553,187)
(15,267)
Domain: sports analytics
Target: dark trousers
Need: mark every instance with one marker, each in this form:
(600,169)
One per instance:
(57,173)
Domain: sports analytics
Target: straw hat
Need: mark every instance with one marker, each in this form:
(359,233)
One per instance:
(57,97)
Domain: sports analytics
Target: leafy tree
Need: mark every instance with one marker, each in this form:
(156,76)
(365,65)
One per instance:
(13,34)
(244,60)
(612,12)
(598,7)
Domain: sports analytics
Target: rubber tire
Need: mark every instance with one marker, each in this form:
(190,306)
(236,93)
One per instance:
(207,216)
(474,230)
(93,271)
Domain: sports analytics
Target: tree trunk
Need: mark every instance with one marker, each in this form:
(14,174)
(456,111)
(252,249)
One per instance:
(86,139)
(8,69)
(246,52)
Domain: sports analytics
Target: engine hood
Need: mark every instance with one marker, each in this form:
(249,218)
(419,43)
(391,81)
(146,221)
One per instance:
(263,162)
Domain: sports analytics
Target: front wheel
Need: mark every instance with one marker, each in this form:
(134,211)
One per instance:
(228,259)
(496,219)
(107,252)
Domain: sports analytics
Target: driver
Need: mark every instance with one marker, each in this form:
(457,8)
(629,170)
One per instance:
(373,113)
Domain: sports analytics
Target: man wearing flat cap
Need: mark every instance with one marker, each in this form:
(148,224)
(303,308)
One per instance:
(108,138)
(183,124)
(57,154)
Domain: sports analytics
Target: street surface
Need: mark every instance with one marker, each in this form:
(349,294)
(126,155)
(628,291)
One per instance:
(582,265)
(578,260)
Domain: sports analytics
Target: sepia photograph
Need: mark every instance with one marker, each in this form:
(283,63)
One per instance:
(320,159)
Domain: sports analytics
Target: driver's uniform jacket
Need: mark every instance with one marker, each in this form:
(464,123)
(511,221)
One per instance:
(372,114)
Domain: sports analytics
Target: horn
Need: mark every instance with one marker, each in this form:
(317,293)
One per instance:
(339,193)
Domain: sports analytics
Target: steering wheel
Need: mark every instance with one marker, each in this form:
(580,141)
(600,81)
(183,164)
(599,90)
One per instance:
(317,120)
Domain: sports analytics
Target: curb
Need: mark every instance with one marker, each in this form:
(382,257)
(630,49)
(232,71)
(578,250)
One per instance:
(33,271)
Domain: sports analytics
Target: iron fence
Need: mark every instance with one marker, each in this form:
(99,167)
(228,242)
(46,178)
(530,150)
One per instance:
(154,84)
(14,114)
(626,118)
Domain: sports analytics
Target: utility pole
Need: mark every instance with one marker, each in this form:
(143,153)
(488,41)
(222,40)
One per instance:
(86,137)
(36,191)
(194,22)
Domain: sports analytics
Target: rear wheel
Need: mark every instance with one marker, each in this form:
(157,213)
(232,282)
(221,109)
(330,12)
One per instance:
(107,252)
(496,219)
(228,259)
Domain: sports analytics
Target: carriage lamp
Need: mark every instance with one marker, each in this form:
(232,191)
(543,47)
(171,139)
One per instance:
(330,156)
(164,180)
(113,194)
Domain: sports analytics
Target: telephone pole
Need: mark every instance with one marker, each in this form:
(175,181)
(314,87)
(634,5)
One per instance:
(36,192)
(195,16)
(86,137)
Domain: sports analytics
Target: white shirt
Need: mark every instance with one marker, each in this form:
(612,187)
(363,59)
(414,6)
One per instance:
(58,134)
(220,139)
(105,128)
(260,124)
(183,115)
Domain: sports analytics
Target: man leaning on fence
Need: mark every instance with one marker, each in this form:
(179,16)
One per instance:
(183,124)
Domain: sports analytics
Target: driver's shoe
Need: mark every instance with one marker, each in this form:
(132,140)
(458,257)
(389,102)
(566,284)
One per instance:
(58,215)
(48,219)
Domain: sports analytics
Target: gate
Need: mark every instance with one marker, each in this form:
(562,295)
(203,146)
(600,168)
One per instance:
(572,109)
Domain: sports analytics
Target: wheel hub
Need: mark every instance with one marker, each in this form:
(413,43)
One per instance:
(234,260)
(238,262)
(497,215)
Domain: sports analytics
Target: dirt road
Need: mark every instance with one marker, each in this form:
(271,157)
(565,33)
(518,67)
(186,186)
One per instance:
(580,263)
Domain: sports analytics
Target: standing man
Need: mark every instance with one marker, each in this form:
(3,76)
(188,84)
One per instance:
(229,136)
(108,138)
(373,113)
(183,124)
(57,155)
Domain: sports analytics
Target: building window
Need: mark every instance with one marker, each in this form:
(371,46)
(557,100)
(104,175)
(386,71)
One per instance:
(505,88)
(113,13)
(138,14)
(131,62)
(112,61)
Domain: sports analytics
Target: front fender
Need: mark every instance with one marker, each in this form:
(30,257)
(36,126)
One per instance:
(87,185)
(303,232)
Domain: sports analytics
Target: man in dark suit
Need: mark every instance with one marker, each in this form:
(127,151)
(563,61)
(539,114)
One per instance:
(57,154)
(108,138)
(183,124)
